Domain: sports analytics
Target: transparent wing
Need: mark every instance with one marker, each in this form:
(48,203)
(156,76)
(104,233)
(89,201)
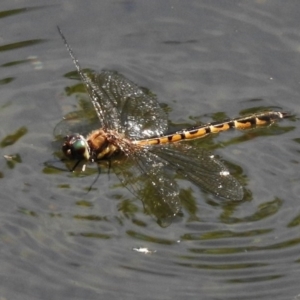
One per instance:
(120,104)
(73,122)
(148,177)
(202,168)
(127,107)
(124,107)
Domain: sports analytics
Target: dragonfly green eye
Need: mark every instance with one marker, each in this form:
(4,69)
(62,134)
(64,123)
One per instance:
(76,147)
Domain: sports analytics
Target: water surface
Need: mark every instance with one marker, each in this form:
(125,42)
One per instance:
(204,61)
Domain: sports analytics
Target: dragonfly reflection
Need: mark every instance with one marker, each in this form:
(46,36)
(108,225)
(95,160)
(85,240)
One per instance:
(131,135)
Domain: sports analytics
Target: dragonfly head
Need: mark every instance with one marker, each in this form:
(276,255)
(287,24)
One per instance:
(76,147)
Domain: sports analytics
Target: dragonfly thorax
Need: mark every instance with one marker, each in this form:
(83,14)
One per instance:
(106,144)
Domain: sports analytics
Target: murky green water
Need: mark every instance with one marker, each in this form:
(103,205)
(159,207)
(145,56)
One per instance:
(205,61)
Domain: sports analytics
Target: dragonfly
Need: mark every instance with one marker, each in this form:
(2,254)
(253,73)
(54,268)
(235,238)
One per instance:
(132,136)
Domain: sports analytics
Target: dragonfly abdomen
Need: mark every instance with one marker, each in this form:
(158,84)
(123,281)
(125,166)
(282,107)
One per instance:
(201,131)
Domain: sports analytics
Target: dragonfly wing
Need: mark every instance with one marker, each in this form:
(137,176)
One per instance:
(76,121)
(147,176)
(104,99)
(137,109)
(143,117)
(123,106)
(202,168)
(97,94)
(118,101)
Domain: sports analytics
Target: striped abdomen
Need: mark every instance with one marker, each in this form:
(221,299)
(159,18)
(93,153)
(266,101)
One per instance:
(259,119)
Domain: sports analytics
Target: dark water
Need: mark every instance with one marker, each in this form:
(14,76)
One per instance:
(203,60)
